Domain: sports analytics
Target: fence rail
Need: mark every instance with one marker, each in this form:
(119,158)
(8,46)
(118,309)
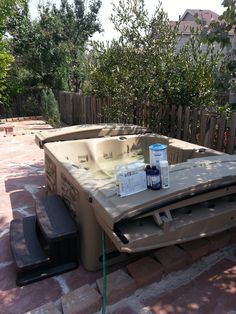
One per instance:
(200,126)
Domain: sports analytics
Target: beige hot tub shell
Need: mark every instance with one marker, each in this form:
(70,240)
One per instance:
(85,131)
(81,172)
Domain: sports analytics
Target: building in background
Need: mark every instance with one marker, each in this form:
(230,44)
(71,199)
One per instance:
(187,24)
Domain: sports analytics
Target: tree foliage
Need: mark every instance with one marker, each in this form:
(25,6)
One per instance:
(142,65)
(48,50)
(7,8)
(224,32)
(49,107)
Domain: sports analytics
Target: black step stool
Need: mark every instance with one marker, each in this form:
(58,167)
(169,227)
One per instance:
(45,244)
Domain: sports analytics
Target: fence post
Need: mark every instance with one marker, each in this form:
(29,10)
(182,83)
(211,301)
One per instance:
(231,135)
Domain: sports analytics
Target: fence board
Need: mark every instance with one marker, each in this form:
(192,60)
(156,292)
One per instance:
(69,108)
(186,124)
(221,131)
(194,122)
(172,121)
(203,126)
(75,108)
(62,106)
(231,135)
(160,119)
(179,122)
(209,140)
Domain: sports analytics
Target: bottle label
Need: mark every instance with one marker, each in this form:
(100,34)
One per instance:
(156,179)
(156,182)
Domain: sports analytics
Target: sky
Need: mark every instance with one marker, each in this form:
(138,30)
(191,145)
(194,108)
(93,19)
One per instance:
(173,8)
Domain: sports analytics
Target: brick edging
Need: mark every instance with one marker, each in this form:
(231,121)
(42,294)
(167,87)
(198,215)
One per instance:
(121,284)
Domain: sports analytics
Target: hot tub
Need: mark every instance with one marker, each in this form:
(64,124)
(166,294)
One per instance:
(82,172)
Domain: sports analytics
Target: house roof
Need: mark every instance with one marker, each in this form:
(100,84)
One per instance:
(206,15)
(186,25)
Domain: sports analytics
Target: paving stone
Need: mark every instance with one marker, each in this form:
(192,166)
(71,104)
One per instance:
(20,213)
(6,254)
(21,198)
(84,300)
(77,278)
(212,292)
(123,309)
(172,258)
(219,240)
(48,308)
(195,249)
(145,271)
(233,235)
(7,276)
(28,297)
(119,285)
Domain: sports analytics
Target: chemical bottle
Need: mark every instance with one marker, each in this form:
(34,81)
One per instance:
(164,169)
(149,176)
(155,178)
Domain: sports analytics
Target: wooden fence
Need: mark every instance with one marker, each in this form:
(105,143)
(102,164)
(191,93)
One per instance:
(200,126)
(18,103)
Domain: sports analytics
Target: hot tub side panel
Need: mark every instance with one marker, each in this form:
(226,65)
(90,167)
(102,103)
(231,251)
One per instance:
(90,232)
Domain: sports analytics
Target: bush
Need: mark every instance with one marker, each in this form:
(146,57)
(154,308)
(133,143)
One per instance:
(142,66)
(49,108)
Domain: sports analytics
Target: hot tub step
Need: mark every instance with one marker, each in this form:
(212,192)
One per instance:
(25,245)
(54,219)
(30,276)
(44,245)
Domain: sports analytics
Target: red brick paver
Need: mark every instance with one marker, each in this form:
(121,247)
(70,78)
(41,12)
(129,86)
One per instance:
(212,292)
(172,258)
(84,300)
(219,240)
(145,271)
(119,285)
(195,249)
(48,308)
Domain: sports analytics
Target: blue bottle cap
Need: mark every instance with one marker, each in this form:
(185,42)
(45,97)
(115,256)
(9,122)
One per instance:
(157,147)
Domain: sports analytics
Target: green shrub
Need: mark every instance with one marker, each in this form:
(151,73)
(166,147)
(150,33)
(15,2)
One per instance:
(49,108)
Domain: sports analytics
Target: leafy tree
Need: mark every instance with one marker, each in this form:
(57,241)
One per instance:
(5,62)
(49,49)
(218,31)
(142,65)
(7,8)
(221,31)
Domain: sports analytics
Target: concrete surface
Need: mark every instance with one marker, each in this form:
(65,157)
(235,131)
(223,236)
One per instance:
(206,285)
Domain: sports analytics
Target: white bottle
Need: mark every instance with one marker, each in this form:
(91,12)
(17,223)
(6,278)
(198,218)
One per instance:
(164,169)
(119,172)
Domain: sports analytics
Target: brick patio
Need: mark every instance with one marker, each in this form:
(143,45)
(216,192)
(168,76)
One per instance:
(203,277)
